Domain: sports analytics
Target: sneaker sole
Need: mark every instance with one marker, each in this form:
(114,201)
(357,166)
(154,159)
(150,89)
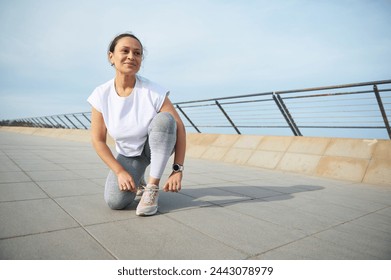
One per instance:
(146,214)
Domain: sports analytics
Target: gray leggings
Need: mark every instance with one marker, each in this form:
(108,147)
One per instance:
(157,150)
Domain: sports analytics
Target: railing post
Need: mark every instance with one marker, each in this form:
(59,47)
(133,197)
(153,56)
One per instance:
(58,124)
(45,124)
(228,118)
(26,122)
(36,122)
(53,125)
(65,116)
(86,118)
(79,121)
(63,122)
(382,111)
(183,113)
(285,112)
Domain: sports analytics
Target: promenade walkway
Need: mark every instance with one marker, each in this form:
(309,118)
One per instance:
(52,207)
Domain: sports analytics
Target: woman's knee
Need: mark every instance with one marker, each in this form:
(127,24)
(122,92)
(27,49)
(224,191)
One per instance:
(163,122)
(116,202)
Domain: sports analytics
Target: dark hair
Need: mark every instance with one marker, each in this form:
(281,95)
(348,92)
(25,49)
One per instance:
(119,37)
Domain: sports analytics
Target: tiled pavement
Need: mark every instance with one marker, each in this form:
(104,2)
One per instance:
(52,207)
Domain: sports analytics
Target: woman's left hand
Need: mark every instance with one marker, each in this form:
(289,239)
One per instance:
(174,182)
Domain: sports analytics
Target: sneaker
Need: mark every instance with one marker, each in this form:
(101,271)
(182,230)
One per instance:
(140,189)
(148,202)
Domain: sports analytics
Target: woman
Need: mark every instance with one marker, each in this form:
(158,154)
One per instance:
(145,126)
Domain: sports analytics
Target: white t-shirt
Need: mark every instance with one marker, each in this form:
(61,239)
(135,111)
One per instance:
(127,118)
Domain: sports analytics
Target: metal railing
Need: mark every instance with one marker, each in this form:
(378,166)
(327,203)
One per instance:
(360,110)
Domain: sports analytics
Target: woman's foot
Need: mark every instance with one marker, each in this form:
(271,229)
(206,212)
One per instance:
(148,202)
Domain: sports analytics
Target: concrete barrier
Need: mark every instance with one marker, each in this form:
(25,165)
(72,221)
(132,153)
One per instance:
(79,135)
(357,160)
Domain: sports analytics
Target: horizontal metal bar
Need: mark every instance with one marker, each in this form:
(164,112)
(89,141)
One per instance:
(335,87)
(327,94)
(224,98)
(344,127)
(291,91)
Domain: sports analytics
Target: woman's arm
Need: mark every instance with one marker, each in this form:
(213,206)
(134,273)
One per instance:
(99,135)
(175,180)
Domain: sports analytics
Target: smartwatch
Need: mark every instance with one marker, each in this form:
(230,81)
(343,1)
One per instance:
(176,167)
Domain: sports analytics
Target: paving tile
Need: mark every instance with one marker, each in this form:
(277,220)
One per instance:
(385,211)
(99,181)
(64,159)
(20,191)
(68,244)
(84,165)
(284,216)
(92,209)
(189,181)
(292,200)
(342,198)
(170,202)
(326,209)
(70,187)
(375,221)
(32,216)
(362,239)
(233,176)
(21,156)
(311,248)
(14,177)
(206,179)
(214,195)
(30,161)
(7,165)
(374,195)
(92,173)
(40,166)
(237,230)
(159,237)
(53,175)
(249,191)
(274,186)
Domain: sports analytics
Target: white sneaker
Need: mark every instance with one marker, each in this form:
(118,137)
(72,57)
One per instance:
(148,202)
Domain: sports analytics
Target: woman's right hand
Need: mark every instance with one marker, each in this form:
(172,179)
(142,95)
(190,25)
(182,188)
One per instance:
(126,182)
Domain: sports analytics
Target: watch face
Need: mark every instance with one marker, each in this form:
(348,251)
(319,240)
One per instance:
(177,167)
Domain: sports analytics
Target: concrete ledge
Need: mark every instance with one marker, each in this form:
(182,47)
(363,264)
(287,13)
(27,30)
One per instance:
(358,160)
(78,135)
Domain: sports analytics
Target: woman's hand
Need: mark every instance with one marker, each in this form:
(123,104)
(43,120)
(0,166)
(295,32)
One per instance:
(126,182)
(174,182)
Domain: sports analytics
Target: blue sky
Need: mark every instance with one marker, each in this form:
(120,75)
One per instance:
(54,52)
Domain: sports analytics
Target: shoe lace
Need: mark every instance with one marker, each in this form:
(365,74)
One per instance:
(149,196)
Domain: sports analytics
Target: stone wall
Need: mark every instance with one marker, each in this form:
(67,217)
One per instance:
(357,160)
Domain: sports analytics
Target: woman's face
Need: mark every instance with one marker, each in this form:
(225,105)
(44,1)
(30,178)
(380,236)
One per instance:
(127,56)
